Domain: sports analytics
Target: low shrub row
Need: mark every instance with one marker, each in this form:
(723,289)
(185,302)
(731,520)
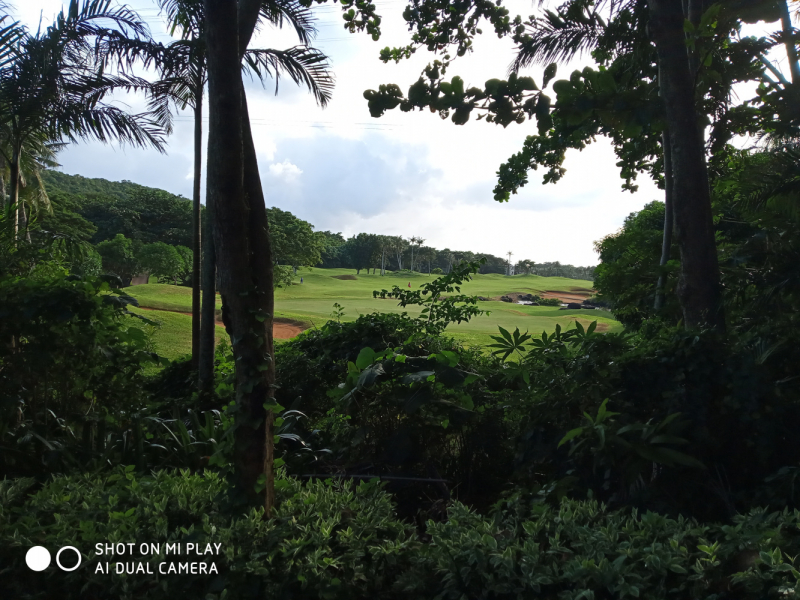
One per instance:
(333,540)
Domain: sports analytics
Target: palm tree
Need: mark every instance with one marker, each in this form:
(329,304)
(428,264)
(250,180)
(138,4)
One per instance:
(52,87)
(182,67)
(418,241)
(36,155)
(235,200)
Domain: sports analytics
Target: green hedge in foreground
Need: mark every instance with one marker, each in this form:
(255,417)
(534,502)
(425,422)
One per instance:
(344,541)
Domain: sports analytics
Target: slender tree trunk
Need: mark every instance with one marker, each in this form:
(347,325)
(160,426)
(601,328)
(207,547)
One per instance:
(196,225)
(693,11)
(14,196)
(243,291)
(208,309)
(263,277)
(698,286)
(25,230)
(789,43)
(666,243)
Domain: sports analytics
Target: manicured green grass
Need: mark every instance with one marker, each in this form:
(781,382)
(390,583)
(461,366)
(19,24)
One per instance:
(164,297)
(312,302)
(172,337)
(326,283)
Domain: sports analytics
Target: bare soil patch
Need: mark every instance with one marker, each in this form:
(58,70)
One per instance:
(572,296)
(345,277)
(282,329)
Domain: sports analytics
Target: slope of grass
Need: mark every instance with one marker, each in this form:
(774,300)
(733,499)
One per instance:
(172,337)
(344,283)
(312,302)
(161,296)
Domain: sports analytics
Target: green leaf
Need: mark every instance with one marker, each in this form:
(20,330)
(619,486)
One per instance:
(549,73)
(489,541)
(365,358)
(571,434)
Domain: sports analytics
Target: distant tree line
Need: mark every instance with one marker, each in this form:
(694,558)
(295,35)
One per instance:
(395,253)
(147,216)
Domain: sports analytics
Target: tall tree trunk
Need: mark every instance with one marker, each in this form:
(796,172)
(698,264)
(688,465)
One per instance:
(14,196)
(698,286)
(208,325)
(789,43)
(666,242)
(196,225)
(263,277)
(242,289)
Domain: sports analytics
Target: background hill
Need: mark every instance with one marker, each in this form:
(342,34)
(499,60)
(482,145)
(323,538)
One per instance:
(57,182)
(138,212)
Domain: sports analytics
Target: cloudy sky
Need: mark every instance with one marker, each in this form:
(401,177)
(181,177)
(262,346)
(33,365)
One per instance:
(408,174)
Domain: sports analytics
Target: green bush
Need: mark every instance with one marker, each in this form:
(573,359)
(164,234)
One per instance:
(343,541)
(548,301)
(674,395)
(583,550)
(409,405)
(325,540)
(71,360)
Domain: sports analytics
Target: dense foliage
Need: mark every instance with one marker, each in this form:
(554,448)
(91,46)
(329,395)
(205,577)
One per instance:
(655,462)
(343,541)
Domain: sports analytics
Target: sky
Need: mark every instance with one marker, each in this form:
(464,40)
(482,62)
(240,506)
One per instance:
(407,174)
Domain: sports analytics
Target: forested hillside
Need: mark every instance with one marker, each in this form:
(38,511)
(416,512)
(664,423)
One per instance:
(56,181)
(138,212)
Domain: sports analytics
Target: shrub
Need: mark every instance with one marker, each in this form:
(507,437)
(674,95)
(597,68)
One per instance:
(549,302)
(70,360)
(325,540)
(341,541)
(583,550)
(673,395)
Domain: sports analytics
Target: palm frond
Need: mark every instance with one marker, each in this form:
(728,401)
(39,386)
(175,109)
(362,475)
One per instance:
(186,16)
(774,182)
(280,12)
(10,35)
(95,18)
(109,123)
(304,65)
(555,38)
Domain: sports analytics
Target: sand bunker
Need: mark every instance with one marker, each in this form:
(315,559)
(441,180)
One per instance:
(282,329)
(572,296)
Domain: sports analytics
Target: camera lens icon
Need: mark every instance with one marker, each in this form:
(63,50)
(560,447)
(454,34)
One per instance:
(38,558)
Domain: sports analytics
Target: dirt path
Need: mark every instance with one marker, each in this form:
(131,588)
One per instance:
(577,297)
(280,330)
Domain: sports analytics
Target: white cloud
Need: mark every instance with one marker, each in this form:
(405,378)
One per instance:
(285,170)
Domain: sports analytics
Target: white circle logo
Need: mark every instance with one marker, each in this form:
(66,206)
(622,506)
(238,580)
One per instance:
(58,555)
(38,558)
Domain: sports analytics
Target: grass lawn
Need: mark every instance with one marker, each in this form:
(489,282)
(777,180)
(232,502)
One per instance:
(312,302)
(173,335)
